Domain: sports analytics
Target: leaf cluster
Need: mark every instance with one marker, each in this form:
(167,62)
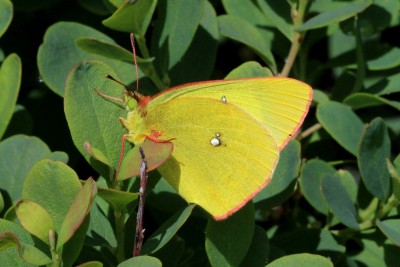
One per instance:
(333,199)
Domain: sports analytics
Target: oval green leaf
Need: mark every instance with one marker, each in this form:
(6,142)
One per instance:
(341,123)
(166,231)
(335,16)
(311,177)
(10,81)
(132,16)
(279,13)
(77,212)
(257,255)
(375,148)
(249,69)
(390,59)
(178,21)
(6,14)
(303,259)
(52,185)
(59,53)
(93,118)
(339,201)
(242,31)
(283,180)
(18,154)
(117,199)
(141,261)
(35,219)
(156,153)
(228,241)
(365,100)
(8,250)
(391,229)
(29,253)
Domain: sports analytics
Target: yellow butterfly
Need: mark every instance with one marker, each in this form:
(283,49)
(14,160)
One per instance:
(225,136)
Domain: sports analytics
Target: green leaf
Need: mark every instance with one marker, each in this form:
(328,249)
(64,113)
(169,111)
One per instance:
(18,154)
(240,30)
(91,264)
(77,212)
(1,202)
(106,49)
(10,81)
(8,251)
(197,63)
(52,185)
(59,53)
(228,241)
(117,199)
(279,13)
(35,219)
(373,151)
(156,153)
(336,15)
(171,253)
(93,118)
(6,14)
(303,259)
(164,234)
(100,233)
(365,100)
(391,229)
(283,180)
(59,156)
(341,123)
(178,21)
(313,241)
(101,8)
(376,250)
(319,97)
(386,85)
(164,199)
(97,154)
(247,10)
(339,201)
(141,261)
(257,255)
(27,252)
(388,60)
(311,177)
(349,183)
(132,17)
(249,69)
(395,176)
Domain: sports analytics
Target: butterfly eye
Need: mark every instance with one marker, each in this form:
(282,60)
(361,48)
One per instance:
(215,140)
(224,99)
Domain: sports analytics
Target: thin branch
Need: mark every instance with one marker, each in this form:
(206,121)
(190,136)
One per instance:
(139,236)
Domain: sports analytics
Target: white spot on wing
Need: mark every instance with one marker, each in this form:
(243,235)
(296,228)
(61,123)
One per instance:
(215,140)
(224,99)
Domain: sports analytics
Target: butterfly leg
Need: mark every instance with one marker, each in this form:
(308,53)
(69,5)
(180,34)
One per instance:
(121,154)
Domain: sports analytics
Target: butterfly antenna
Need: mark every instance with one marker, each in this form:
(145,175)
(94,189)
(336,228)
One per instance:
(135,61)
(108,76)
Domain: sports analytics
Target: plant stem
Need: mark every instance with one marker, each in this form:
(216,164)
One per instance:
(361,68)
(139,236)
(297,16)
(309,131)
(119,218)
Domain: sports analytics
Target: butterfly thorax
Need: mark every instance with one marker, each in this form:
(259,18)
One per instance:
(135,122)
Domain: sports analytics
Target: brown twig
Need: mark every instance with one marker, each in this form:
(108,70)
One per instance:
(139,236)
